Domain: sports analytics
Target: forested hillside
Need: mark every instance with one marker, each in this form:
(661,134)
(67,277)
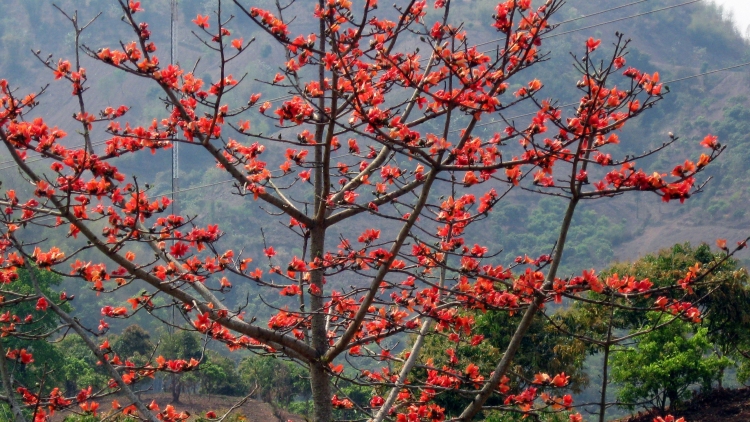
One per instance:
(679,41)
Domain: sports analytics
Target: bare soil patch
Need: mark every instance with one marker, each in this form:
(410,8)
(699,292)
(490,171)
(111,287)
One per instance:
(715,406)
(199,404)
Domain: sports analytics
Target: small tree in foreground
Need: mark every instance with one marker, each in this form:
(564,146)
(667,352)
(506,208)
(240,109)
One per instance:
(665,364)
(375,168)
(609,324)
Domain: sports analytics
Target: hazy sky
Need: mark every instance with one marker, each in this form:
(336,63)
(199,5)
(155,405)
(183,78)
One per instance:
(741,10)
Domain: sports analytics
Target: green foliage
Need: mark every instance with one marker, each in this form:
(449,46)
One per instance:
(218,375)
(725,311)
(133,342)
(43,322)
(78,368)
(496,416)
(665,363)
(301,407)
(274,380)
(544,349)
(181,345)
(520,229)
(81,418)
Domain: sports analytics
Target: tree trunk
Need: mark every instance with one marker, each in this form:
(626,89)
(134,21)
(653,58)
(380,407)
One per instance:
(321,393)
(515,342)
(320,382)
(605,368)
(605,364)
(176,388)
(7,382)
(674,399)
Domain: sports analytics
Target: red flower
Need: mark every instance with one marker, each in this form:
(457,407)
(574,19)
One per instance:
(135,6)
(201,21)
(179,249)
(592,44)
(711,141)
(41,304)
(619,62)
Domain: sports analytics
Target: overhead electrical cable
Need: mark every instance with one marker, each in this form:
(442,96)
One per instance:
(191,188)
(622,19)
(523,115)
(491,41)
(173,32)
(577,103)
(574,19)
(454,131)
(285,97)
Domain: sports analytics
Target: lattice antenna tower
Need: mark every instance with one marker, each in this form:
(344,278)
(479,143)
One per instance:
(175,145)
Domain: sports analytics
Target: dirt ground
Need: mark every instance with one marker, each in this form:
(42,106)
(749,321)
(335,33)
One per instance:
(198,404)
(719,405)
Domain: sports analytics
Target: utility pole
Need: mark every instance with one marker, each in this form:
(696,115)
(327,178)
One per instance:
(175,145)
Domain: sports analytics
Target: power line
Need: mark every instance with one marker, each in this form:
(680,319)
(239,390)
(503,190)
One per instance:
(576,103)
(576,19)
(457,130)
(600,12)
(622,19)
(283,97)
(173,32)
(515,117)
(707,73)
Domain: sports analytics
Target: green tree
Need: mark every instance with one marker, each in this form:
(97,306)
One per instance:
(275,381)
(545,348)
(218,375)
(134,341)
(78,366)
(721,295)
(39,327)
(665,364)
(180,345)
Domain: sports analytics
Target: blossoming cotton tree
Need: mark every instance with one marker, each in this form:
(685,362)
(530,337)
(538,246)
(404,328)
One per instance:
(376,167)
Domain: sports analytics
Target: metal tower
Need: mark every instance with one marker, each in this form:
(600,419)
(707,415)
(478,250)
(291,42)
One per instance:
(175,145)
